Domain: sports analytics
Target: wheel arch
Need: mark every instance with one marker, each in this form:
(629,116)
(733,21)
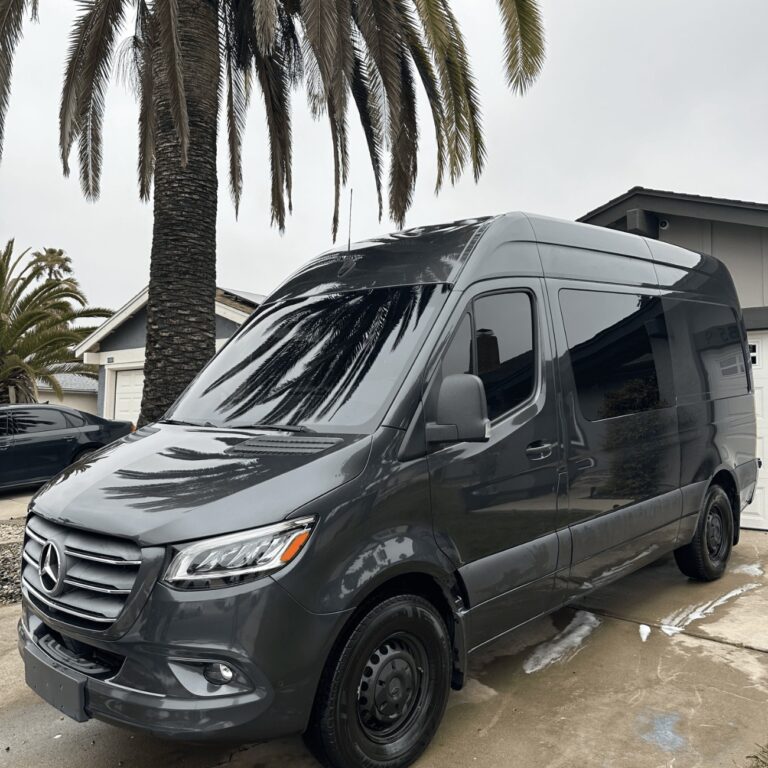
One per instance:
(725,478)
(445,592)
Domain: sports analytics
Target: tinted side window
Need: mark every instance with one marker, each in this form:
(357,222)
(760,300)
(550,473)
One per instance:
(504,341)
(4,425)
(38,420)
(74,420)
(706,338)
(619,352)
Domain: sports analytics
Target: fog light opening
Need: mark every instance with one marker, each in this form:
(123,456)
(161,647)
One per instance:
(218,673)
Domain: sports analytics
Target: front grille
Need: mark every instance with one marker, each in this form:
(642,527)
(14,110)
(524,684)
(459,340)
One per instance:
(98,573)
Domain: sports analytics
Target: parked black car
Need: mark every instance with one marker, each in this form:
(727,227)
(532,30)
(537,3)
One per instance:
(38,441)
(413,447)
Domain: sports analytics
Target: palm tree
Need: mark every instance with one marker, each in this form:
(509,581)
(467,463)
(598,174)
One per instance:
(40,303)
(188,59)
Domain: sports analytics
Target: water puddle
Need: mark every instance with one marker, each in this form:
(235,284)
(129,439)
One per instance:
(564,645)
(677,621)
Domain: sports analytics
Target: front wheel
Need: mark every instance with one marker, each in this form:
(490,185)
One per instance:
(383,695)
(706,557)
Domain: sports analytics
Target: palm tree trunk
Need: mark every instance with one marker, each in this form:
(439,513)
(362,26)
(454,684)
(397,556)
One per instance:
(182,280)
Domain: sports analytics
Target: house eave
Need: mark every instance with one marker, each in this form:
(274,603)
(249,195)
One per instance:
(665,203)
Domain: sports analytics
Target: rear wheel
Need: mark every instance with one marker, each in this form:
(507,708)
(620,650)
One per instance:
(706,557)
(383,695)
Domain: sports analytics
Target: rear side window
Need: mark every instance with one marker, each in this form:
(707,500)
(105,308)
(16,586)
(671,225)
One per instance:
(5,425)
(619,351)
(74,419)
(504,343)
(38,420)
(707,342)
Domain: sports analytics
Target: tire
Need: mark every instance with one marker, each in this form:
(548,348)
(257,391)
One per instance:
(400,649)
(706,557)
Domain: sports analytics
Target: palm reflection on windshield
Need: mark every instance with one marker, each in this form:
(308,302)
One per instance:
(330,359)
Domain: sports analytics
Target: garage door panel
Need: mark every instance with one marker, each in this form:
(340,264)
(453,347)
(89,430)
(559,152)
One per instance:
(753,515)
(756,515)
(129,386)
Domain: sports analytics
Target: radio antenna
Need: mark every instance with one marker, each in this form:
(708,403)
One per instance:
(349,236)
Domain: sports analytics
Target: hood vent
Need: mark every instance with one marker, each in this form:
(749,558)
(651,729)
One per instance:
(283,446)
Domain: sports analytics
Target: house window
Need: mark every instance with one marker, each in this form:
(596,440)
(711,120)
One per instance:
(753,355)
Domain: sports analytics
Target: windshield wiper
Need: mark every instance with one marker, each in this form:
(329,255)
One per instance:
(279,427)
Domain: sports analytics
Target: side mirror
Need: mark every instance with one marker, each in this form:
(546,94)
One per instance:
(462,413)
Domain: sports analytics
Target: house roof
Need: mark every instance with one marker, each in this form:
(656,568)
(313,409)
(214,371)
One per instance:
(72,382)
(232,304)
(661,201)
(252,299)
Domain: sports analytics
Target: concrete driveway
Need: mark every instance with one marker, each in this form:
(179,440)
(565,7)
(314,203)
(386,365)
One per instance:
(653,671)
(13,506)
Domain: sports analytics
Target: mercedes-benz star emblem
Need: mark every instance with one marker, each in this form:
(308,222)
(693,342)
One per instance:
(50,569)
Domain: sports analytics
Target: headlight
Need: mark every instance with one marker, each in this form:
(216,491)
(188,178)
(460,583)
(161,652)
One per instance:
(238,556)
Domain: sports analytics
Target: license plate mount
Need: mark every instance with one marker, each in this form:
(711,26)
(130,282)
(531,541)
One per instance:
(62,688)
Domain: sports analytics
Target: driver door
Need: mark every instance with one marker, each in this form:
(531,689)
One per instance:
(495,504)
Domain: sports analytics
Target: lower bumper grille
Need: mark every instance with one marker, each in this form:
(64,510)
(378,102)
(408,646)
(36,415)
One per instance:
(79,578)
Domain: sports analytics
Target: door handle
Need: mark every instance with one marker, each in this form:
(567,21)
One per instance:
(539,450)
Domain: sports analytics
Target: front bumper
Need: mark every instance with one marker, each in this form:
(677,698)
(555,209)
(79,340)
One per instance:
(154,678)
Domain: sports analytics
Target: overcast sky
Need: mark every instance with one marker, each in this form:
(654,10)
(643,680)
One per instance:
(670,94)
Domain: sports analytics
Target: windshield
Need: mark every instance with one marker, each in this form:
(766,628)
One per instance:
(332,361)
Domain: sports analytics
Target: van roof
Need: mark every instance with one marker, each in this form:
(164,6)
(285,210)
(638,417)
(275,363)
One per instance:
(463,251)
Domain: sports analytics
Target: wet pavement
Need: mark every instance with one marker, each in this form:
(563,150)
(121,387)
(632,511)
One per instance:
(652,671)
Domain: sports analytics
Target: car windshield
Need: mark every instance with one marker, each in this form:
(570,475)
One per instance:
(330,361)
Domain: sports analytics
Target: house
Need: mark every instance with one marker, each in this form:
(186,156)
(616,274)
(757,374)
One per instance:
(77,392)
(117,347)
(736,232)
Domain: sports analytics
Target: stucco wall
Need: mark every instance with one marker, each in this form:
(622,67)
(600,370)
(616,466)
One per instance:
(743,249)
(132,333)
(82,401)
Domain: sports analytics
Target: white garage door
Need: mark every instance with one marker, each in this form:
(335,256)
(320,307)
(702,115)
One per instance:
(756,514)
(128,388)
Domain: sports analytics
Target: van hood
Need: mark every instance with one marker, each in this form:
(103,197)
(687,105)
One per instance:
(170,483)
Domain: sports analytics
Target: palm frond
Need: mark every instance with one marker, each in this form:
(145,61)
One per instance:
(423,63)
(274,81)
(265,24)
(167,14)
(69,112)
(523,42)
(404,149)
(470,96)
(369,110)
(145,86)
(42,308)
(94,64)
(236,109)
(11,22)
(319,19)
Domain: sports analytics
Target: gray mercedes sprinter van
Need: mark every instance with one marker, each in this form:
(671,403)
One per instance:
(413,447)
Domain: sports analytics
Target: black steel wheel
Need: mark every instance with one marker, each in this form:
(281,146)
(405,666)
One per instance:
(706,557)
(384,693)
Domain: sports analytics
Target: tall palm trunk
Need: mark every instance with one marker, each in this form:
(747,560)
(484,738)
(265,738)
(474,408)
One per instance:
(182,280)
